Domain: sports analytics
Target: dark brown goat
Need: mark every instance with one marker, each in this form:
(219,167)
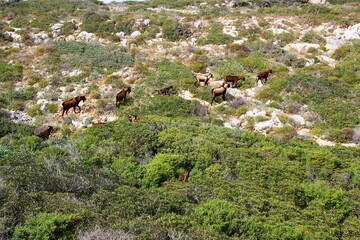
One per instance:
(221,91)
(165,91)
(263,76)
(233,79)
(133,118)
(73,102)
(121,96)
(203,78)
(44,132)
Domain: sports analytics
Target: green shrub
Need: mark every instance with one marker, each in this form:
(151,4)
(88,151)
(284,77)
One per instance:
(216,36)
(124,23)
(34,110)
(96,57)
(199,62)
(174,31)
(44,22)
(255,63)
(97,23)
(221,215)
(285,38)
(313,37)
(163,167)
(52,108)
(10,72)
(47,226)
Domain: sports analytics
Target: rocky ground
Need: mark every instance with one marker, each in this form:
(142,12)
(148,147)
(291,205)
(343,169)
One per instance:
(158,48)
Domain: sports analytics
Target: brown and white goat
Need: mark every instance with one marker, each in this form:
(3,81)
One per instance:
(221,91)
(263,76)
(205,78)
(165,91)
(73,102)
(121,96)
(133,118)
(233,79)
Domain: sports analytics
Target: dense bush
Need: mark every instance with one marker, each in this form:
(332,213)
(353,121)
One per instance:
(96,57)
(47,226)
(10,72)
(216,36)
(97,23)
(173,30)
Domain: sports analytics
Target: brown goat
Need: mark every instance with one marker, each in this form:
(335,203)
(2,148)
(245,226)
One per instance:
(44,132)
(221,91)
(73,102)
(165,91)
(121,96)
(133,118)
(233,79)
(184,177)
(263,76)
(203,78)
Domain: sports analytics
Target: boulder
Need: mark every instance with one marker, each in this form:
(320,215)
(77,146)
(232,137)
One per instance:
(268,125)
(135,34)
(86,37)
(39,38)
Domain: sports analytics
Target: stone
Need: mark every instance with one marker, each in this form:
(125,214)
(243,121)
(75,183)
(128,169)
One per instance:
(85,90)
(86,37)
(268,125)
(135,34)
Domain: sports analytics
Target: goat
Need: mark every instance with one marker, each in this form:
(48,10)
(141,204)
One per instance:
(133,118)
(44,132)
(203,78)
(262,76)
(73,102)
(218,92)
(121,96)
(184,177)
(165,91)
(233,79)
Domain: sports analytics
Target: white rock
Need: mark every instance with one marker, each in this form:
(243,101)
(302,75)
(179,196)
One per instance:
(241,41)
(77,124)
(40,94)
(57,26)
(120,35)
(43,103)
(20,117)
(268,125)
(255,113)
(318,1)
(323,142)
(135,34)
(86,37)
(298,119)
(70,38)
(146,22)
(86,121)
(16,37)
(330,61)
(39,38)
(85,90)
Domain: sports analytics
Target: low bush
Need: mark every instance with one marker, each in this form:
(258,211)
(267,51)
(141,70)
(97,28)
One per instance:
(48,226)
(10,72)
(216,36)
(97,57)
(173,30)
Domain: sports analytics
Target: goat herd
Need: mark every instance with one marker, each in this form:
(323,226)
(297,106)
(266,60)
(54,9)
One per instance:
(200,78)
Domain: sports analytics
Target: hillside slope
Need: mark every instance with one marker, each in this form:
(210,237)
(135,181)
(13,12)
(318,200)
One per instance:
(278,160)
